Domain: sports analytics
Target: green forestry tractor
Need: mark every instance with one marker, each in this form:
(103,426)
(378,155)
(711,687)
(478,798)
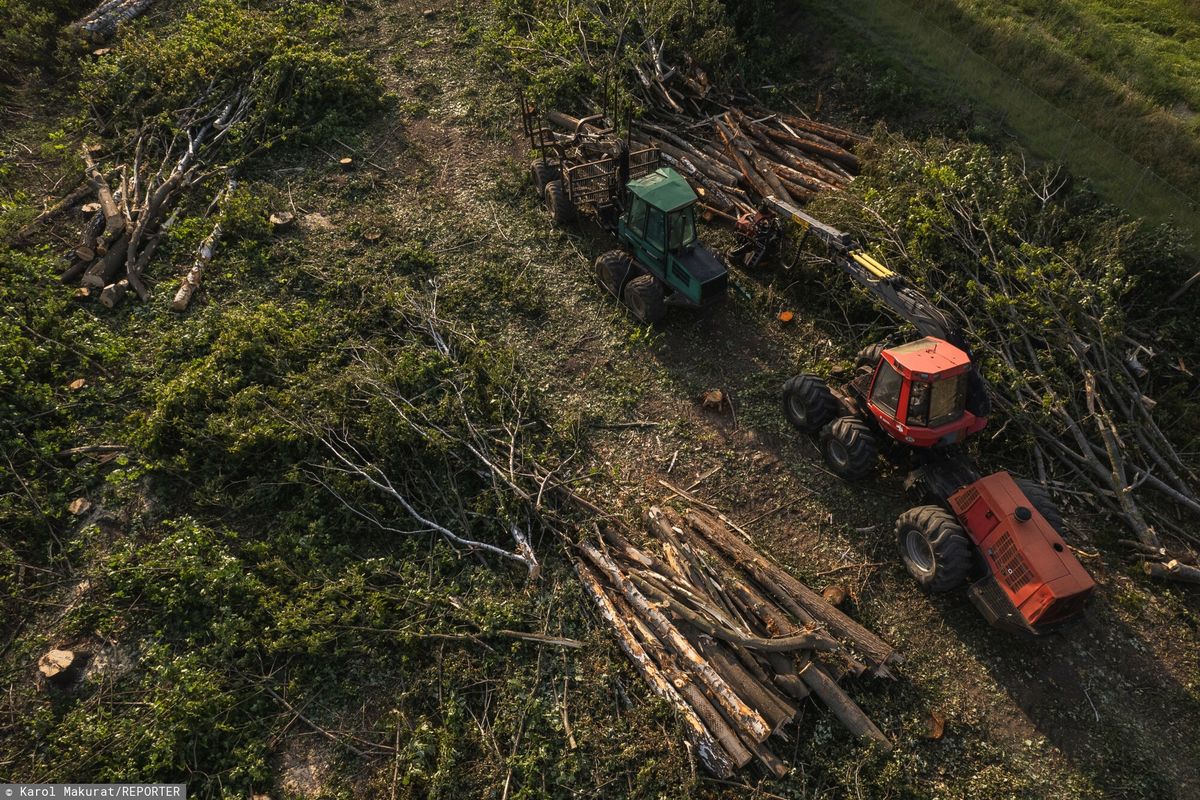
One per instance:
(917,403)
(650,209)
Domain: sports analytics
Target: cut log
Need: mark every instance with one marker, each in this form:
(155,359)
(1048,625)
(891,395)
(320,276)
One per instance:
(114,220)
(191,281)
(782,644)
(1172,570)
(143,260)
(715,757)
(70,201)
(99,26)
(114,293)
(792,594)
(734,742)
(749,175)
(834,134)
(722,695)
(832,152)
(86,251)
(102,272)
(845,709)
(74,271)
(774,710)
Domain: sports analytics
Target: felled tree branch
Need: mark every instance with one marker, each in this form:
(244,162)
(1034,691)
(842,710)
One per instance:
(355,463)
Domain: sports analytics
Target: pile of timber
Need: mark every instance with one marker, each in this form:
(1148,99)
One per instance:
(732,150)
(131,206)
(729,638)
(736,158)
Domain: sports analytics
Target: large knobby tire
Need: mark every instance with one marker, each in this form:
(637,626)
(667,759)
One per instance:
(849,448)
(644,296)
(613,270)
(808,403)
(558,204)
(934,548)
(869,355)
(1039,498)
(543,172)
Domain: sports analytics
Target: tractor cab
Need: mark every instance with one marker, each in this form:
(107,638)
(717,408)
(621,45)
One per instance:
(919,393)
(659,226)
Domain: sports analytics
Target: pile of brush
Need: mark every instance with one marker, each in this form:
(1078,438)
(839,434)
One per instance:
(729,638)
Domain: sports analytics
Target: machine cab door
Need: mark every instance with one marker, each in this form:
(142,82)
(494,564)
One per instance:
(655,236)
(885,394)
(635,218)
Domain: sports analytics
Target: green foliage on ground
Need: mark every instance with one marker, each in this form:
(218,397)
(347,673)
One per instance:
(28,32)
(289,61)
(563,52)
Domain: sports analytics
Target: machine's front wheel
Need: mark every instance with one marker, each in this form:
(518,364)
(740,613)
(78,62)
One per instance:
(808,403)
(849,448)
(644,296)
(1039,498)
(934,548)
(557,202)
(543,172)
(613,270)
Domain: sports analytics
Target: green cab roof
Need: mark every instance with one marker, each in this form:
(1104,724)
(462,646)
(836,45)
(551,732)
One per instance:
(664,189)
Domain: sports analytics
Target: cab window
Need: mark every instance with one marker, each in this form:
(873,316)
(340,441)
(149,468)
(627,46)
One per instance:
(937,403)
(886,391)
(948,401)
(637,216)
(655,228)
(683,228)
(918,404)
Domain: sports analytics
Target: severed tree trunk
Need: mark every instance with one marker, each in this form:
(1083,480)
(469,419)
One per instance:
(1172,570)
(191,281)
(793,595)
(715,757)
(114,293)
(722,695)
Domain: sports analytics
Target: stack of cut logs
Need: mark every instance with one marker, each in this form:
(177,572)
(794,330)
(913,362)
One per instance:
(733,150)
(739,157)
(126,224)
(750,154)
(726,636)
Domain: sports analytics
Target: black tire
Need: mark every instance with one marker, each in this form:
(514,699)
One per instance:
(644,296)
(808,403)
(869,355)
(1039,498)
(849,448)
(934,548)
(558,204)
(614,269)
(543,172)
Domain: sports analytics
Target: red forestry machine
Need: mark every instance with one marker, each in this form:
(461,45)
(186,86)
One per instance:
(917,403)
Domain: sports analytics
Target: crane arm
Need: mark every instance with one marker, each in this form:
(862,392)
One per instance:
(885,285)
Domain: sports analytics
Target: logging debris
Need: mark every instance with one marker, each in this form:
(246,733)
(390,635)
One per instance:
(135,204)
(100,25)
(726,636)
